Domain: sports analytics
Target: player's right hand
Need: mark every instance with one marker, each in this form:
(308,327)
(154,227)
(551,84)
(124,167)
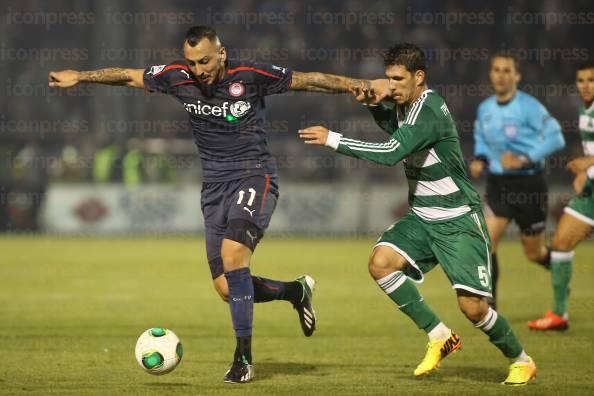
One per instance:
(63,79)
(476,168)
(314,135)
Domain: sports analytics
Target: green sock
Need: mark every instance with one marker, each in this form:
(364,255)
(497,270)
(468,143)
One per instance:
(500,334)
(405,294)
(561,267)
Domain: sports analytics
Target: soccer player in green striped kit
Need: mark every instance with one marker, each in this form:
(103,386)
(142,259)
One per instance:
(577,222)
(444,225)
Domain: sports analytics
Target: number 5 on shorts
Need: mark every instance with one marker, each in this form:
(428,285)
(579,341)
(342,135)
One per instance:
(483,275)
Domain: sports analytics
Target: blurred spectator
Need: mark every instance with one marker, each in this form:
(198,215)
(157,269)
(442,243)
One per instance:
(70,166)
(132,163)
(106,163)
(29,175)
(160,166)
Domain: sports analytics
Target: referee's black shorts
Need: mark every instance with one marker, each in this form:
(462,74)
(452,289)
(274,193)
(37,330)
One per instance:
(521,198)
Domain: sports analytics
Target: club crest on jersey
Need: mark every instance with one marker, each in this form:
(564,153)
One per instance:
(236,89)
(239,109)
(511,131)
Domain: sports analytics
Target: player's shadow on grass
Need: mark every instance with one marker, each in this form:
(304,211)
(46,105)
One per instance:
(485,375)
(270,369)
(452,374)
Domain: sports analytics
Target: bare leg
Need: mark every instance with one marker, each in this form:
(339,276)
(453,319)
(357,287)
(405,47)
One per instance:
(496,227)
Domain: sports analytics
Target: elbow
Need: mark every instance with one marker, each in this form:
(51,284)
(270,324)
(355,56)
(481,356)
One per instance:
(384,160)
(557,137)
(136,78)
(556,144)
(550,149)
(135,84)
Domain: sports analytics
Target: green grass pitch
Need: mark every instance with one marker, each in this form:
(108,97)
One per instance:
(72,308)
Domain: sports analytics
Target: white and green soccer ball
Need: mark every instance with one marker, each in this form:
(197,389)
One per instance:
(158,351)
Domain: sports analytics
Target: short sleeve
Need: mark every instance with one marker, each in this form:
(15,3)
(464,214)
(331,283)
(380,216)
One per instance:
(160,78)
(272,79)
(537,115)
(481,149)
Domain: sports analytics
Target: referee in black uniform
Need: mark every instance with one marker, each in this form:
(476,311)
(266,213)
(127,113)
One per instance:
(514,133)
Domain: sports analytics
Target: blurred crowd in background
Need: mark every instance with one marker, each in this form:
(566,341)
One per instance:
(105,134)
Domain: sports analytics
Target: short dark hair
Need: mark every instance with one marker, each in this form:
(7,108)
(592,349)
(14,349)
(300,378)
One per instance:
(507,55)
(408,55)
(197,33)
(586,64)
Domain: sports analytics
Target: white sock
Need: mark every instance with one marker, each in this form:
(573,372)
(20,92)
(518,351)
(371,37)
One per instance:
(522,358)
(440,332)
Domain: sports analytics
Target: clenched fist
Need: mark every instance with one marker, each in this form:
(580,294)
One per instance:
(63,79)
(373,93)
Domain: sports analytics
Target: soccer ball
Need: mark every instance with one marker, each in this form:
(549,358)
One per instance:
(158,351)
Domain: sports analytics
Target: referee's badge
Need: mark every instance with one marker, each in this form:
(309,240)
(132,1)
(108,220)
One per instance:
(511,131)
(236,89)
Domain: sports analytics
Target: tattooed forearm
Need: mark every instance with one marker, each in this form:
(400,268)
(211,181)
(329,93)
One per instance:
(328,83)
(110,76)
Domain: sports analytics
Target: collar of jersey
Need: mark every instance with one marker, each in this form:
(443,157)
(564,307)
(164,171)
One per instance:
(229,64)
(419,98)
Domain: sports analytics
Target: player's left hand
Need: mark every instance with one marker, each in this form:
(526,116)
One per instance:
(511,161)
(314,135)
(580,164)
(579,182)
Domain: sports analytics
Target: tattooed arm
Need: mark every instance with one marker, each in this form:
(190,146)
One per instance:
(327,83)
(110,76)
(368,92)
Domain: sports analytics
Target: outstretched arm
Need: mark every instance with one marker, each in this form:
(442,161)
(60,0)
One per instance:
(330,83)
(327,83)
(402,143)
(110,76)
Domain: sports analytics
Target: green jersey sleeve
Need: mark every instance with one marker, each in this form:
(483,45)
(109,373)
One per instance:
(409,138)
(384,117)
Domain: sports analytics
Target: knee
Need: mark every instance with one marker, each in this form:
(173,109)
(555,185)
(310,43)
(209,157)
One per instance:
(475,309)
(233,258)
(381,264)
(561,244)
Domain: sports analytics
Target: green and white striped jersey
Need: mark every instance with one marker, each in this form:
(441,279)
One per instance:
(586,125)
(425,137)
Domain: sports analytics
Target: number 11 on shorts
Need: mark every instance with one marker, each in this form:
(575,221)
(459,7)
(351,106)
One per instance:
(250,200)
